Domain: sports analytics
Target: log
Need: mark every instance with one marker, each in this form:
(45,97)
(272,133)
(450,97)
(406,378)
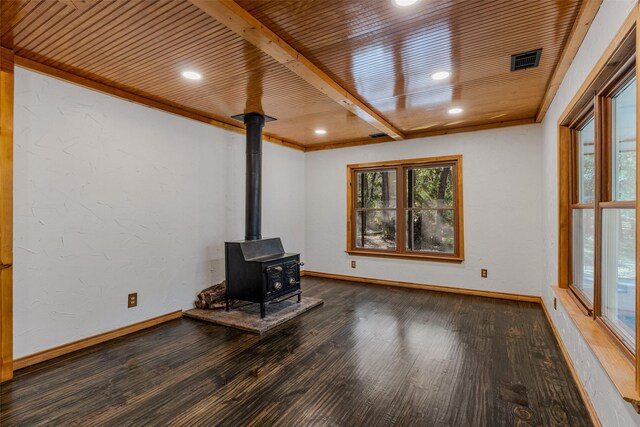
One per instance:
(213,297)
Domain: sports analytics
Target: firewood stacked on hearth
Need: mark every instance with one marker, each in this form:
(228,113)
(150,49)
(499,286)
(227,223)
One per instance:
(212,297)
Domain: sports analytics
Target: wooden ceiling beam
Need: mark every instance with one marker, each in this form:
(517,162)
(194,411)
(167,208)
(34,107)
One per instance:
(586,15)
(234,17)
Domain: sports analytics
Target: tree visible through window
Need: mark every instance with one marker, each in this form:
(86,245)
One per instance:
(375,217)
(407,208)
(430,212)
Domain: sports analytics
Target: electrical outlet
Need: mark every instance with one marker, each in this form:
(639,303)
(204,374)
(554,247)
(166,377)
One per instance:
(353,264)
(132,300)
(555,303)
(484,273)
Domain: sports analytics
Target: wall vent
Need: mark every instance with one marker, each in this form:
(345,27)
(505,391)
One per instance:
(378,135)
(522,61)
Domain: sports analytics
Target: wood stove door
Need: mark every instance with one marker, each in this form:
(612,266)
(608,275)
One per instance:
(282,278)
(291,275)
(275,281)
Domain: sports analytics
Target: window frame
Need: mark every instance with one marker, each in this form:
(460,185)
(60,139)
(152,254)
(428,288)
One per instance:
(401,166)
(617,83)
(599,106)
(623,372)
(584,117)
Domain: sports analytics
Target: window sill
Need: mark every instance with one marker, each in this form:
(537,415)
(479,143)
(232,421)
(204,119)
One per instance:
(615,363)
(433,258)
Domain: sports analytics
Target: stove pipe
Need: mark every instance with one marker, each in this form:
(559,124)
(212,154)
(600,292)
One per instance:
(254,123)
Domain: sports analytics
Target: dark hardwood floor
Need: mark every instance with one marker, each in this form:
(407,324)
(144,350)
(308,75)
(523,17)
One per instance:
(370,356)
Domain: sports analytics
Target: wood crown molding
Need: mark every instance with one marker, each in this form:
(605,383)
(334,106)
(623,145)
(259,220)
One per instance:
(602,65)
(422,134)
(426,287)
(61,350)
(234,17)
(141,100)
(586,14)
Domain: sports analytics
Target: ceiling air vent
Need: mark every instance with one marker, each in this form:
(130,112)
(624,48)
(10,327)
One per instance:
(378,135)
(522,61)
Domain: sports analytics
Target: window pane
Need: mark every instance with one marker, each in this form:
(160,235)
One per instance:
(376,189)
(376,229)
(619,272)
(430,231)
(586,162)
(623,144)
(583,251)
(429,187)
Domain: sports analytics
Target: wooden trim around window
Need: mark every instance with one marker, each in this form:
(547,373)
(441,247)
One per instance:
(608,329)
(399,166)
(581,300)
(389,254)
(622,366)
(618,205)
(598,194)
(615,363)
(564,202)
(575,127)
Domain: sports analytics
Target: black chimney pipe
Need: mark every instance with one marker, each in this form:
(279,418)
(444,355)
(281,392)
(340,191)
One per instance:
(254,123)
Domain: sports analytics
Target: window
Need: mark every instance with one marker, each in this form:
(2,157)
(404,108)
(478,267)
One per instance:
(603,207)
(619,216)
(407,208)
(583,210)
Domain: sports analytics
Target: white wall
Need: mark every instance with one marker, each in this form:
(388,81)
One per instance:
(113,198)
(611,409)
(501,170)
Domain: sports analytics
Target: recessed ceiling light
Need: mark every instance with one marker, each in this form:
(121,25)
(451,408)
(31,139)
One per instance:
(440,75)
(321,132)
(404,3)
(191,75)
(456,110)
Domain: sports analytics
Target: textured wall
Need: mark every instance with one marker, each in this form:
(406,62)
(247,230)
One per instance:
(501,170)
(112,197)
(611,408)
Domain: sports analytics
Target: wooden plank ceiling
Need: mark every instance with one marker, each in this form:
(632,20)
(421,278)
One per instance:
(382,54)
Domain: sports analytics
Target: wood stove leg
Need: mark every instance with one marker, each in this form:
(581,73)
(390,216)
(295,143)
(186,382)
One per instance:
(263,310)
(299,297)
(226,301)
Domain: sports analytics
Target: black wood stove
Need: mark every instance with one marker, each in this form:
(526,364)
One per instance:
(258,270)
